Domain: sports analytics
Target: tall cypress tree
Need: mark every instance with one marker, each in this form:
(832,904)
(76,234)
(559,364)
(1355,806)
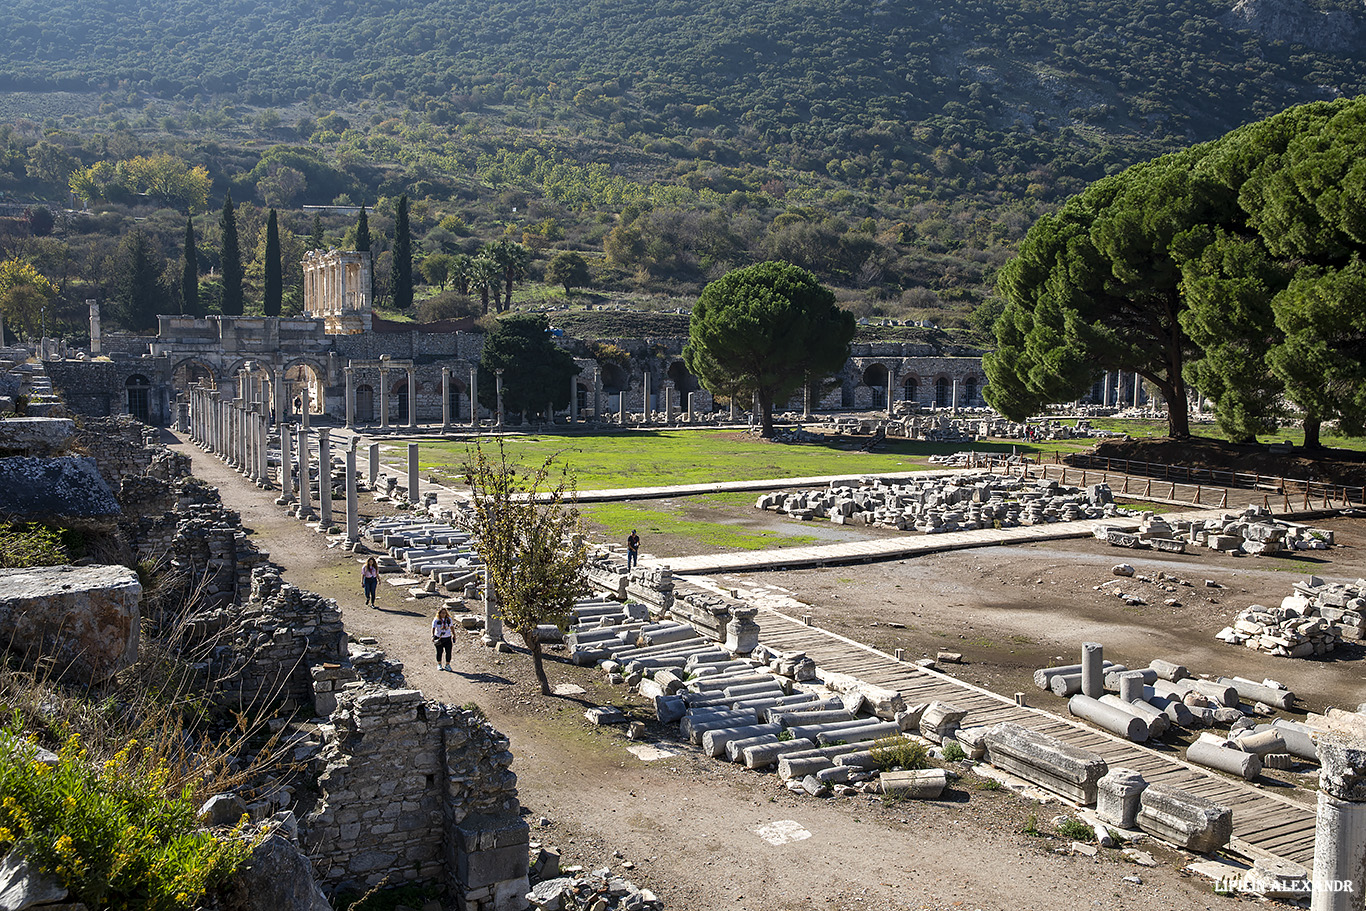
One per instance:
(274,279)
(401,273)
(138,291)
(315,240)
(363,246)
(362,232)
(189,277)
(232,261)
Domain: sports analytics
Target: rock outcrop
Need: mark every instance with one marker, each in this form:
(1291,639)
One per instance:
(1294,22)
(81,620)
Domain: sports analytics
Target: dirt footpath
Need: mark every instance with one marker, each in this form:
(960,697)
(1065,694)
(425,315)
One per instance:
(707,835)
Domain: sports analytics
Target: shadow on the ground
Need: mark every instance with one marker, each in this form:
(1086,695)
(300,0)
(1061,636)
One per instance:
(482,677)
(399,612)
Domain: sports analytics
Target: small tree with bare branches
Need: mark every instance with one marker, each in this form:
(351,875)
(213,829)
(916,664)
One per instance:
(526,526)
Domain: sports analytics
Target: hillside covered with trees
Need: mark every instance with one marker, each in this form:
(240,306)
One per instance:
(898,151)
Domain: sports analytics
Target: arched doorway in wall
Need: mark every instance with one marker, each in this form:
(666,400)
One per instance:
(297,378)
(943,392)
(581,397)
(615,381)
(456,401)
(683,381)
(910,390)
(398,402)
(970,399)
(138,390)
(875,378)
(193,373)
(365,404)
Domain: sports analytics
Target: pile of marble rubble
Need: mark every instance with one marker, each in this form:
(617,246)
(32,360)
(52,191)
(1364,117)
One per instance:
(830,734)
(1311,621)
(1156,701)
(1253,531)
(944,504)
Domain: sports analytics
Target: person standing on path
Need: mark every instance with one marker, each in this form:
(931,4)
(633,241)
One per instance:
(442,637)
(632,550)
(369,580)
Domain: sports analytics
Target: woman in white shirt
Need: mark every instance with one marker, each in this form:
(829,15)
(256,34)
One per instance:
(442,637)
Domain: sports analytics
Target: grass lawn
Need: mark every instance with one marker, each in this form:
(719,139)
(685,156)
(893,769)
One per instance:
(664,457)
(649,458)
(688,530)
(1138,427)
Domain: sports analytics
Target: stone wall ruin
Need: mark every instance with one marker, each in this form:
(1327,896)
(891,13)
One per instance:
(266,648)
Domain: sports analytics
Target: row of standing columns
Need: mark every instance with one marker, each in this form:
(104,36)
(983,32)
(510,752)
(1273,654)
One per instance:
(1110,394)
(237,429)
(893,382)
(450,420)
(447,419)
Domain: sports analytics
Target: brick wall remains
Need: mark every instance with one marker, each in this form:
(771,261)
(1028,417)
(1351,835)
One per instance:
(418,791)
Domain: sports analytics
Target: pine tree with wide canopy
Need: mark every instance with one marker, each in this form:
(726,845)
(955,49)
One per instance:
(765,330)
(1231,265)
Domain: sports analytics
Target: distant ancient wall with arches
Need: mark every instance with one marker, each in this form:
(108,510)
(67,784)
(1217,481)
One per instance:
(297,361)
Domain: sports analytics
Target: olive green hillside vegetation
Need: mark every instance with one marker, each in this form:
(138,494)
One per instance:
(898,152)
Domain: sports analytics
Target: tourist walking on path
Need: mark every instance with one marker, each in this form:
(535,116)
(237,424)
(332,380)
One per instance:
(369,580)
(442,637)
(632,550)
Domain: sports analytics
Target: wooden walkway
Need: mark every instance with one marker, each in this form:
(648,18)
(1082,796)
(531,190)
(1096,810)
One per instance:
(908,544)
(1264,822)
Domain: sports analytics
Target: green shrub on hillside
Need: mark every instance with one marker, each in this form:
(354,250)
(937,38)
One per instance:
(118,834)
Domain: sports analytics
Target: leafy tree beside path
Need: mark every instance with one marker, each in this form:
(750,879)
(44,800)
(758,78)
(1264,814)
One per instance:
(527,530)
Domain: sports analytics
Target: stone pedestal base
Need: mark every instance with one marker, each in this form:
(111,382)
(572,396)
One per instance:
(1117,797)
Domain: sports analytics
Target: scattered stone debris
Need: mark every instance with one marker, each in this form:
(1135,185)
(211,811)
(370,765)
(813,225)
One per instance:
(944,504)
(1313,620)
(1253,531)
(598,890)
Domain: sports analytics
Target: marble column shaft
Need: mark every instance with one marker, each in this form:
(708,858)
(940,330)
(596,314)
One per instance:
(305,478)
(324,479)
(412,397)
(352,506)
(445,399)
(286,462)
(384,398)
(413,481)
(350,397)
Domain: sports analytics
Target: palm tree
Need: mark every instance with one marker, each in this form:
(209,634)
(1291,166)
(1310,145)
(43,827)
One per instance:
(511,260)
(484,274)
(461,264)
